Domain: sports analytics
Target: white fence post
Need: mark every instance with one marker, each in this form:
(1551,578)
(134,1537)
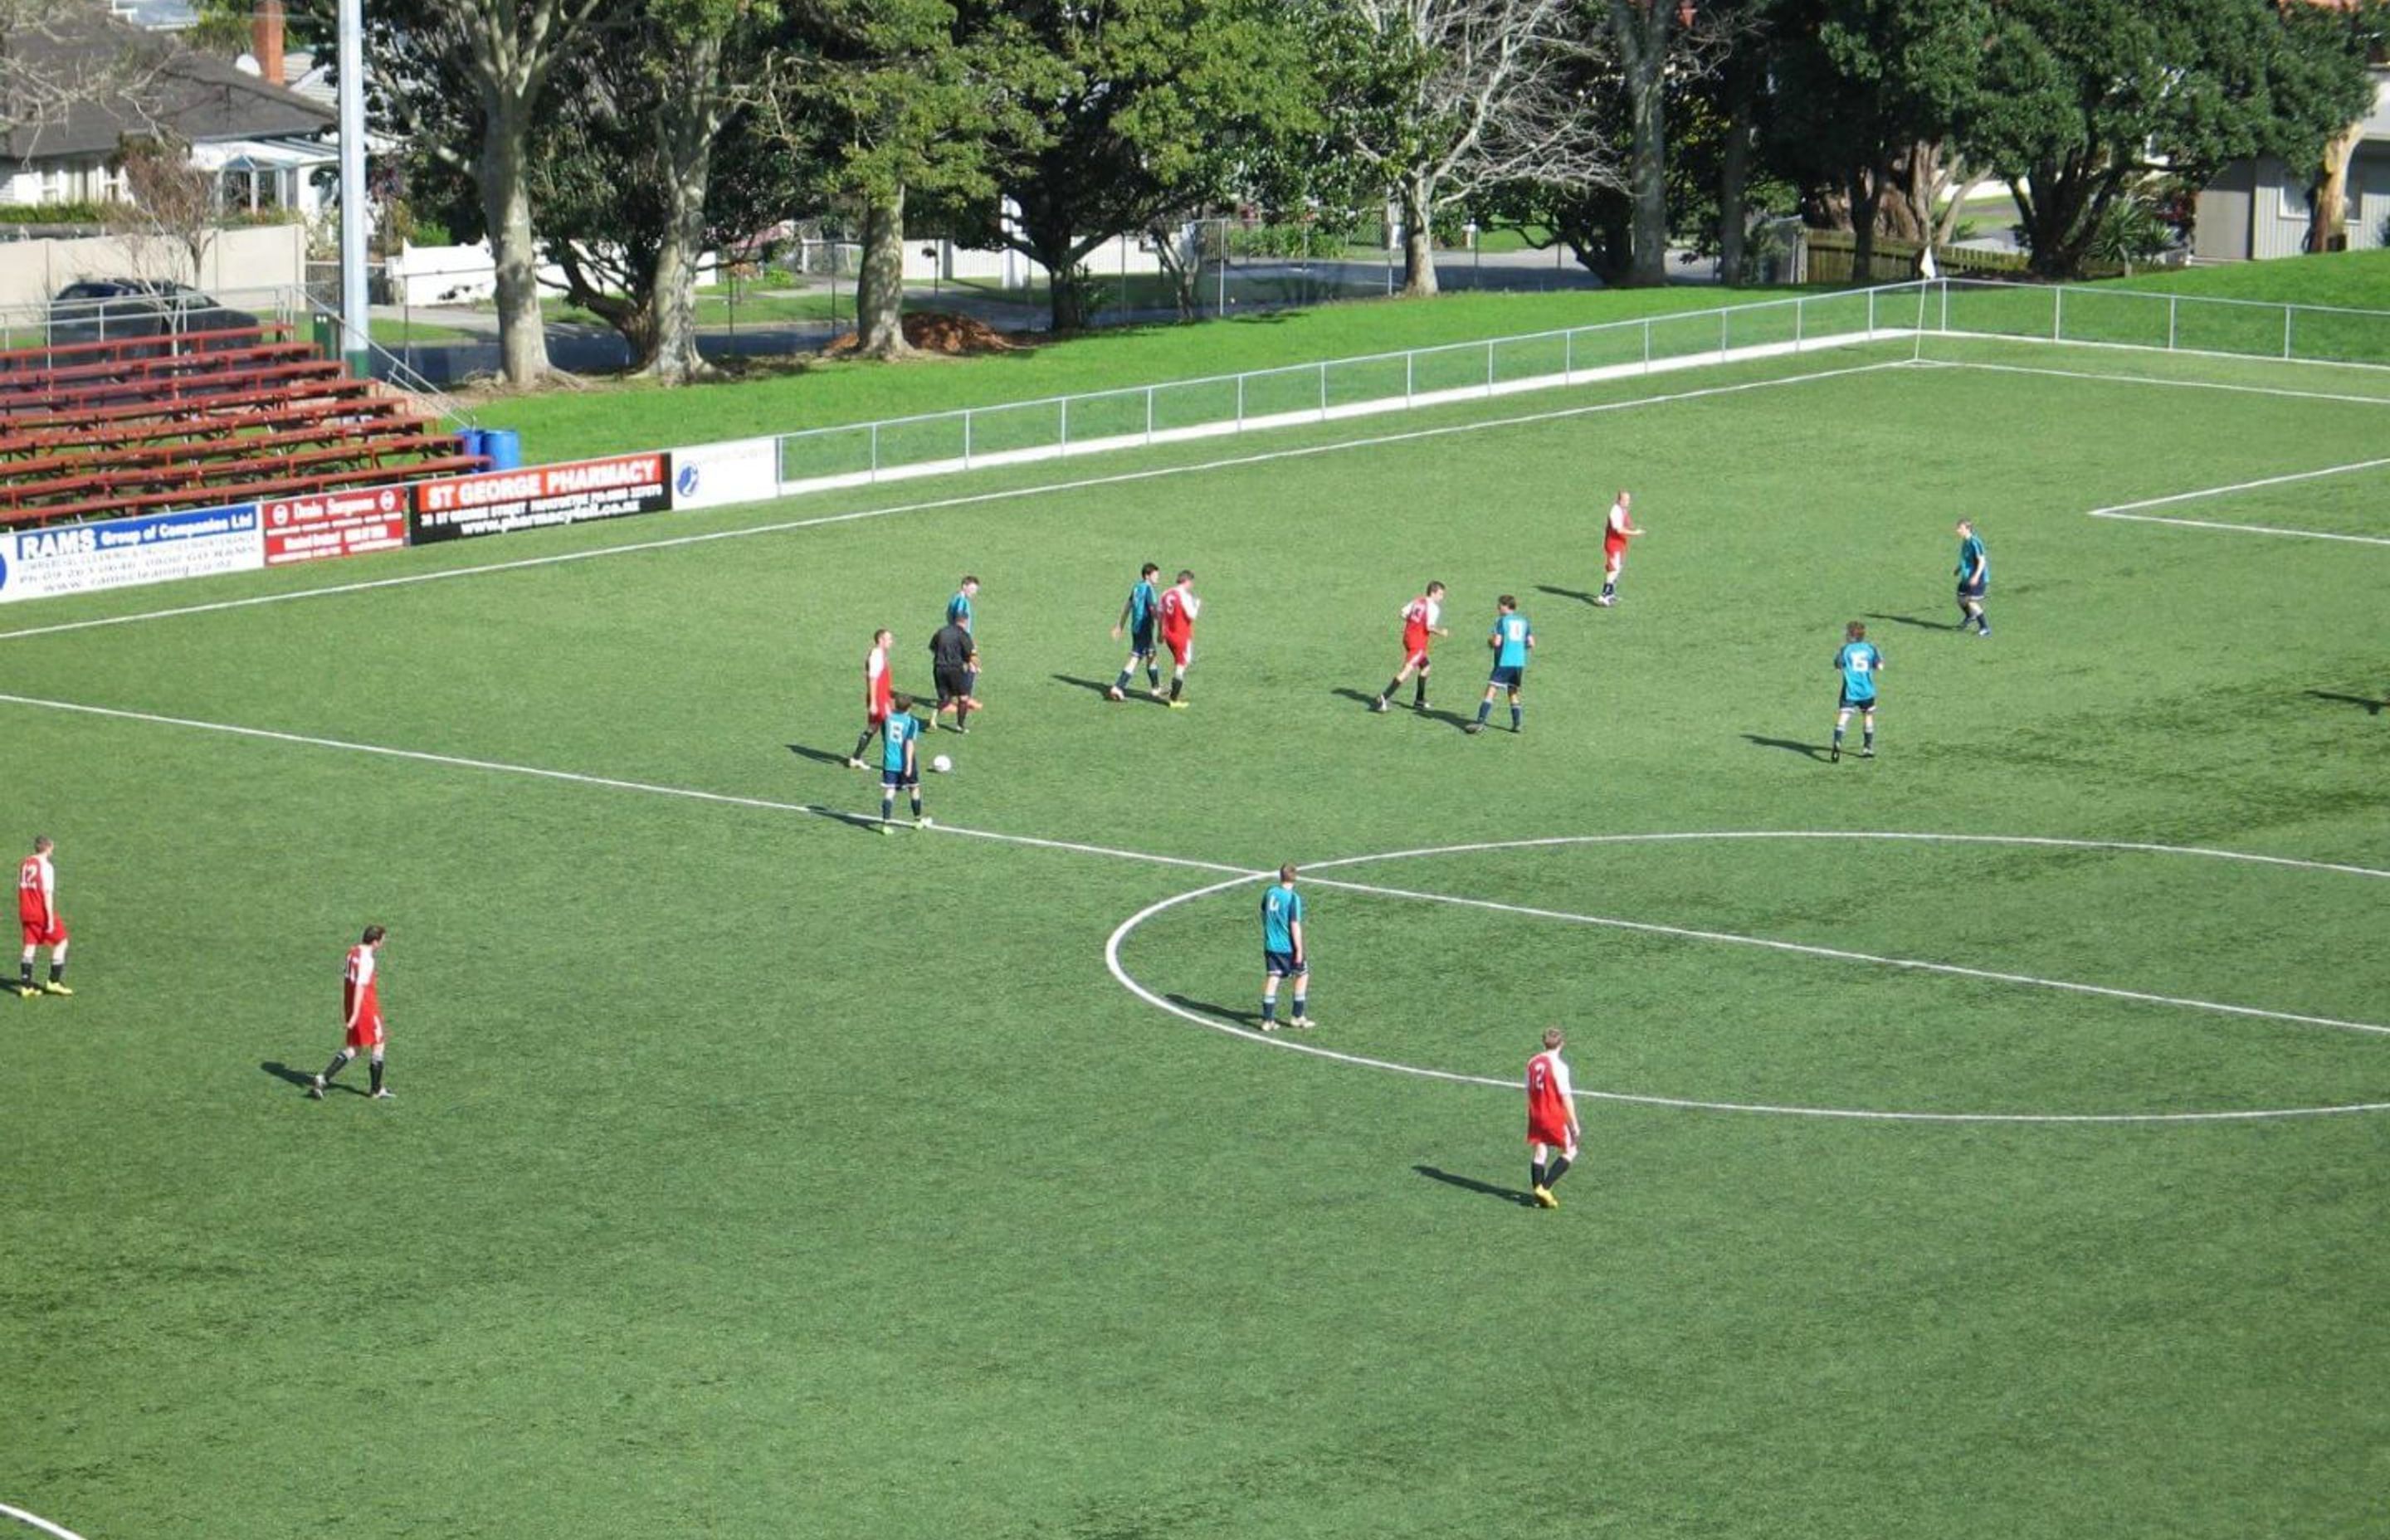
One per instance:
(1800,315)
(2173,302)
(2057,314)
(1149,413)
(1568,357)
(1489,368)
(2288,311)
(1240,403)
(1410,374)
(1870,331)
(1066,425)
(1323,391)
(966,437)
(875,452)
(1647,345)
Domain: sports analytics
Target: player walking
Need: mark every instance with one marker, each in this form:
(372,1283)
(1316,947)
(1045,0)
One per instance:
(1422,620)
(876,688)
(1283,951)
(1975,573)
(900,762)
(1512,640)
(954,663)
(1552,1119)
(959,612)
(1136,617)
(1616,533)
(37,913)
(1859,662)
(360,1014)
(1178,607)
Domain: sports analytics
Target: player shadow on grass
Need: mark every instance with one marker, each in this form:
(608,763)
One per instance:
(301,1078)
(1450,719)
(2372,708)
(1794,745)
(1206,1008)
(1470,1184)
(1917,621)
(819,756)
(1578,594)
(1102,686)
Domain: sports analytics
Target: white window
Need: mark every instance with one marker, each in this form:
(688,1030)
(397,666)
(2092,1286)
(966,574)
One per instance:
(2294,202)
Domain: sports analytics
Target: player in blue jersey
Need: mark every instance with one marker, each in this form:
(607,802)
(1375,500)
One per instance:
(1136,618)
(1859,662)
(1283,951)
(959,612)
(900,762)
(1975,573)
(1512,640)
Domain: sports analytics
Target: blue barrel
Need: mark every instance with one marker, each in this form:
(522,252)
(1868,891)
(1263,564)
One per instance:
(473,440)
(503,446)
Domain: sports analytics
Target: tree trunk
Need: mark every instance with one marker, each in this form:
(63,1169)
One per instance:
(1418,236)
(1867,188)
(1641,28)
(505,210)
(880,285)
(2328,208)
(692,118)
(1734,181)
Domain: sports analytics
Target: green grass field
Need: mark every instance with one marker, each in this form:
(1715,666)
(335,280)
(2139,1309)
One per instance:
(752,1172)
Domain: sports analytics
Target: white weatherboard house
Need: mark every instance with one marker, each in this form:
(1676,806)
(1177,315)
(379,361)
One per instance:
(2262,207)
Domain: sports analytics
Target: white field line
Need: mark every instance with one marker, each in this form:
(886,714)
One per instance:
(2151,379)
(1838,954)
(961,500)
(58,1531)
(1855,1114)
(2130,510)
(2244,529)
(1240,875)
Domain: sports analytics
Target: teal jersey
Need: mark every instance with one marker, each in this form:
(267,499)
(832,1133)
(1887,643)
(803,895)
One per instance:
(896,736)
(1511,634)
(958,610)
(1974,565)
(1859,662)
(1281,912)
(1141,600)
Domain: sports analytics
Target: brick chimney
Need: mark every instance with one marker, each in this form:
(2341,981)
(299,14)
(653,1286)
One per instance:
(265,41)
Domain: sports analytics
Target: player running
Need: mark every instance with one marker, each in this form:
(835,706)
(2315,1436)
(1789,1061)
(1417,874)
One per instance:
(37,914)
(1511,641)
(360,1014)
(1616,533)
(1859,662)
(1282,950)
(1975,573)
(1422,620)
(1136,617)
(1552,1119)
(876,688)
(900,762)
(1178,607)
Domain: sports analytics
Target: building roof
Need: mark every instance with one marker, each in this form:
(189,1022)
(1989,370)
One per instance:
(163,86)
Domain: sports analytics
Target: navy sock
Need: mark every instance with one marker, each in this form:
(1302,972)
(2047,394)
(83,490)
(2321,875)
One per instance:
(1867,739)
(887,807)
(1152,677)
(1299,1011)
(1485,710)
(1837,735)
(1269,1008)
(1120,682)
(1516,712)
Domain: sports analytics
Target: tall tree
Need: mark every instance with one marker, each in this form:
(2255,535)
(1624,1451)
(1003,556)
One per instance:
(1150,104)
(1451,101)
(1646,32)
(464,81)
(2084,100)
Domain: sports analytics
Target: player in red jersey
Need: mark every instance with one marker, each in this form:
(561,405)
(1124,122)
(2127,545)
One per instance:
(1422,620)
(37,912)
(1179,607)
(1615,532)
(878,686)
(1551,1118)
(361,1012)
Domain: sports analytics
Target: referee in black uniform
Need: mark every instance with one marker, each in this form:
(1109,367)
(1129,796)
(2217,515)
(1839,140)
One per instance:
(954,659)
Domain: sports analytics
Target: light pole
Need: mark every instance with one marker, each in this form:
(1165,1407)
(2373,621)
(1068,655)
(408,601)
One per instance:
(357,321)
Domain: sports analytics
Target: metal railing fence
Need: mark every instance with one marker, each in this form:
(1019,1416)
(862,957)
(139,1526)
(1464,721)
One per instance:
(2162,321)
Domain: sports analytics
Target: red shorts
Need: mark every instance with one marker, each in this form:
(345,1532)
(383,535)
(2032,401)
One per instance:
(38,934)
(876,713)
(1182,648)
(1613,546)
(366,1032)
(1556,1135)
(1414,648)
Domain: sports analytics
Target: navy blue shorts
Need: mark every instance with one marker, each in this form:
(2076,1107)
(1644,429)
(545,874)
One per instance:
(1508,677)
(1140,641)
(1280,964)
(1851,703)
(898,781)
(1975,590)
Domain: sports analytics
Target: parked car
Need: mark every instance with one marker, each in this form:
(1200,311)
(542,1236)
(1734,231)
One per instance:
(105,309)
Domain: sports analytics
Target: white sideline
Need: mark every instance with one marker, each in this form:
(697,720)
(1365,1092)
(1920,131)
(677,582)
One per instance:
(2128,511)
(59,1530)
(2143,380)
(959,500)
(2242,529)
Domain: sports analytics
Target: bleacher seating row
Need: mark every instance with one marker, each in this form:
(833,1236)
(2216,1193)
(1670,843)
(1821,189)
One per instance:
(147,423)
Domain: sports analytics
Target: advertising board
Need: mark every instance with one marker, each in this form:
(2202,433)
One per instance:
(541,496)
(119,553)
(334,524)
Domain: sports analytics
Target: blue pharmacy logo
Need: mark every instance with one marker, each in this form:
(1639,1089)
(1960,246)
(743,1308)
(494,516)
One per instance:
(686,480)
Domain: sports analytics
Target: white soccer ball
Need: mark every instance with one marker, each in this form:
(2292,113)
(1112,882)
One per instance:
(942,764)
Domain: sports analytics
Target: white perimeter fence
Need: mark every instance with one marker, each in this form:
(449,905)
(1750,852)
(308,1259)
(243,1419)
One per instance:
(1048,429)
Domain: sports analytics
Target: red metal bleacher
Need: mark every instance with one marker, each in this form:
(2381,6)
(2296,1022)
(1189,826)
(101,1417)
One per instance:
(145,423)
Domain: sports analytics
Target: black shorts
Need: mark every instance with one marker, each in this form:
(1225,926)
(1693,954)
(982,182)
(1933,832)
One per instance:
(1851,705)
(953,683)
(1281,965)
(1973,590)
(1140,641)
